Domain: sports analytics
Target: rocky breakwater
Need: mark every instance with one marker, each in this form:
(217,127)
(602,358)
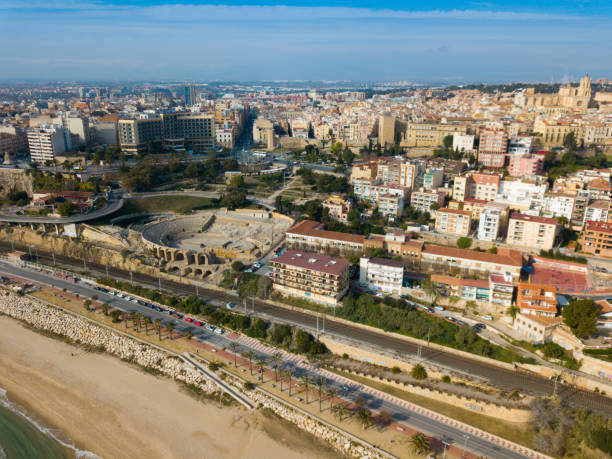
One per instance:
(79,330)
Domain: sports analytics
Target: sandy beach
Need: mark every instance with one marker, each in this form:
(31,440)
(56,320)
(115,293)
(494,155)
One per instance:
(118,411)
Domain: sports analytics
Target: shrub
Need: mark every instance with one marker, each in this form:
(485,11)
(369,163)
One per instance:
(418,372)
(464,242)
(345,356)
(249,385)
(446,379)
(396,370)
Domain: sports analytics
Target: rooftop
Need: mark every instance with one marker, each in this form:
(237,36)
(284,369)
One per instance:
(313,261)
(315,229)
(602,227)
(534,219)
(503,257)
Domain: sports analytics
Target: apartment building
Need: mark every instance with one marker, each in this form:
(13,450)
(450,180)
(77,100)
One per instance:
(463,143)
(395,243)
(462,187)
(553,132)
(381,274)
(316,277)
(485,186)
(311,235)
(433,179)
(452,221)
(47,141)
(372,189)
(537,299)
(338,207)
(521,165)
(596,238)
(558,205)
(196,131)
(497,288)
(598,210)
(390,205)
(492,222)
(422,200)
(532,231)
(505,261)
(475,206)
(520,145)
(493,148)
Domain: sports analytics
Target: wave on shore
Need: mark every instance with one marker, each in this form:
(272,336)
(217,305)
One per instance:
(22,412)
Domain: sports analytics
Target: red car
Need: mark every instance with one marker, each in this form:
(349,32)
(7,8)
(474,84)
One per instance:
(197,323)
(188,319)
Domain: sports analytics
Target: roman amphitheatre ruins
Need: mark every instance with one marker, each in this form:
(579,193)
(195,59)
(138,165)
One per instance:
(205,243)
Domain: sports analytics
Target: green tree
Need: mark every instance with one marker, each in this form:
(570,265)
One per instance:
(581,317)
(306,381)
(365,418)
(340,411)
(464,242)
(170,329)
(65,208)
(320,382)
(237,181)
(147,321)
(569,141)
(249,355)
(188,335)
(434,206)
(158,327)
(448,142)
(105,308)
(87,304)
(237,266)
(276,361)
(234,347)
(419,444)
(418,372)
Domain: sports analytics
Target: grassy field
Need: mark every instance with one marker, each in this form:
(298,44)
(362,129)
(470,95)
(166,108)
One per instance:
(176,204)
(517,432)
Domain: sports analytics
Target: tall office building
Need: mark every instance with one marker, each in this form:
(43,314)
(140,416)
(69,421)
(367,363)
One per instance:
(190,95)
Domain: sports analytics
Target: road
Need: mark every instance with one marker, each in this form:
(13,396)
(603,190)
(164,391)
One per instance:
(495,375)
(400,413)
(109,209)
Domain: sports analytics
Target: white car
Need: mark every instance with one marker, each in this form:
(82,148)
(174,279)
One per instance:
(230,306)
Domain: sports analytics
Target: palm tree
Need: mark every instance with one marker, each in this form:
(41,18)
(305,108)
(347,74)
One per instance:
(419,444)
(105,308)
(384,418)
(250,355)
(87,304)
(169,329)
(234,347)
(360,402)
(340,411)
(147,321)
(288,373)
(320,382)
(332,392)
(260,363)
(188,335)
(126,317)
(137,317)
(158,327)
(276,360)
(365,418)
(306,381)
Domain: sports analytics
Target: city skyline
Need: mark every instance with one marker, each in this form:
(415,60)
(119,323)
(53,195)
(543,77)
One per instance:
(274,40)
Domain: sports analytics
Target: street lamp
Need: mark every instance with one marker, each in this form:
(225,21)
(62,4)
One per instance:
(446,445)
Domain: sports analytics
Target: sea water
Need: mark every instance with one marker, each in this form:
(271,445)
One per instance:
(21,436)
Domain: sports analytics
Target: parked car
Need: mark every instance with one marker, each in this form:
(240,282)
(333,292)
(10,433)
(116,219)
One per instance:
(188,319)
(257,265)
(197,323)
(230,306)
(439,308)
(486,317)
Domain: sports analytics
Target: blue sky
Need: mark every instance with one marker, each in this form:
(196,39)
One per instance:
(444,41)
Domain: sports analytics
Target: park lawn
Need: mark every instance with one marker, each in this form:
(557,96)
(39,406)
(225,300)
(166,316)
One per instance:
(176,204)
(517,432)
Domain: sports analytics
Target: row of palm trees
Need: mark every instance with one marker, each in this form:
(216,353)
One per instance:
(141,321)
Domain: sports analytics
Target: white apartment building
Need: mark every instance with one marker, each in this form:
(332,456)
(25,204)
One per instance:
(520,193)
(224,137)
(371,190)
(381,274)
(491,222)
(463,142)
(597,211)
(558,205)
(47,141)
(520,145)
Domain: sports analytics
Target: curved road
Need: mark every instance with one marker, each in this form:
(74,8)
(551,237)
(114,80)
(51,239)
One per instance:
(111,208)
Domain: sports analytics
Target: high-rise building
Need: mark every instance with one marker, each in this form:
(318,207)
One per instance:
(386,129)
(47,141)
(195,131)
(190,95)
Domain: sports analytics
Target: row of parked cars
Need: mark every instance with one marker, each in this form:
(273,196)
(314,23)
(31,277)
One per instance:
(174,314)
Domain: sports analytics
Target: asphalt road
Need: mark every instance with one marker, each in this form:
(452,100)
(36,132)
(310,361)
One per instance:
(400,414)
(498,376)
(111,208)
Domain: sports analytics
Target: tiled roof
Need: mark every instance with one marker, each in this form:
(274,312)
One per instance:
(313,261)
(314,229)
(502,257)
